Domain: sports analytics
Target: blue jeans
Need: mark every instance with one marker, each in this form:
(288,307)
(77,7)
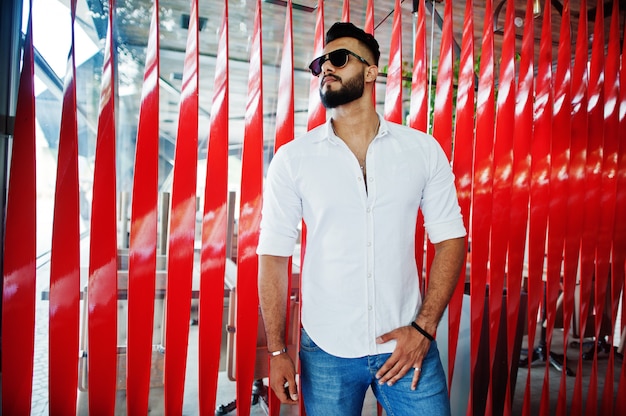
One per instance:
(336,386)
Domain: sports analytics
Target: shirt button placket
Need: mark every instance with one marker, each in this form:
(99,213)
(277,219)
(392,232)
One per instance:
(371,298)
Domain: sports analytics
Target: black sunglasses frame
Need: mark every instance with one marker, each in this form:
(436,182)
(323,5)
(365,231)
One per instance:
(343,54)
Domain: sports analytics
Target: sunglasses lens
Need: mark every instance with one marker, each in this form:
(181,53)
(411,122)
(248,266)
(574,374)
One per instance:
(338,58)
(316,65)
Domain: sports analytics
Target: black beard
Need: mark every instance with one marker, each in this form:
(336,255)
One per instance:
(350,91)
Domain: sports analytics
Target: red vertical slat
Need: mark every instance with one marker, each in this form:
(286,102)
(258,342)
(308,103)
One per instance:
(418,117)
(618,252)
(65,254)
(608,200)
(143,233)
(518,217)
(578,148)
(369,17)
(284,134)
(249,218)
(182,227)
(442,111)
(503,161)
(462,166)
(418,111)
(442,123)
(539,191)
(20,247)
(369,28)
(590,263)
(102,290)
(520,191)
(285,107)
(418,114)
(559,192)
(540,195)
(317,112)
(214,229)
(481,191)
(442,117)
(345,11)
(393,92)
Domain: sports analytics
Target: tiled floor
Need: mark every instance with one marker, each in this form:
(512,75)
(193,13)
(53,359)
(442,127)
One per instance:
(538,372)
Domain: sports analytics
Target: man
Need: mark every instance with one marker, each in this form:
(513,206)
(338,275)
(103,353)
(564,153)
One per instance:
(358,182)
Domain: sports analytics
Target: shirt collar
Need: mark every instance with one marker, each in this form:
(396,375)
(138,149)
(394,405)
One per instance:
(329,133)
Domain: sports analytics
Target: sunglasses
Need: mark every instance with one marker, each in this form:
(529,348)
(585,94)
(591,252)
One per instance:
(338,58)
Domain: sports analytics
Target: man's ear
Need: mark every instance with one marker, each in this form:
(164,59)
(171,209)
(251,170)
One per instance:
(371,73)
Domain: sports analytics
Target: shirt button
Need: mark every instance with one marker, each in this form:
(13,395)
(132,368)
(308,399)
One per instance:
(369,308)
(369,275)
(369,243)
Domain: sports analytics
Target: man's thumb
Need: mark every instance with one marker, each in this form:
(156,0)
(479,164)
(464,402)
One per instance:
(384,338)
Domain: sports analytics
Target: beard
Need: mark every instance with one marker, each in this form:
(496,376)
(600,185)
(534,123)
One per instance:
(350,91)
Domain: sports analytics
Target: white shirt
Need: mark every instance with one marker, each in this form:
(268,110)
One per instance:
(359,276)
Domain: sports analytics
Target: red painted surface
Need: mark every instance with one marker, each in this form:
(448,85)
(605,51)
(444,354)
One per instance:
(482,187)
(442,119)
(578,148)
(214,231)
(608,202)
(143,233)
(102,289)
(592,261)
(557,232)
(393,91)
(284,134)
(502,178)
(418,118)
(369,28)
(462,166)
(618,269)
(249,218)
(180,254)
(65,255)
(540,191)
(520,185)
(20,248)
(317,112)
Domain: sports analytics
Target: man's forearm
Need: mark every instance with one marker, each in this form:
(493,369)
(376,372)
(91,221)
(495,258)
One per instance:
(273,280)
(444,274)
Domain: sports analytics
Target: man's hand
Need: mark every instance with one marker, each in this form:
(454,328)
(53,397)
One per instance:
(283,378)
(411,348)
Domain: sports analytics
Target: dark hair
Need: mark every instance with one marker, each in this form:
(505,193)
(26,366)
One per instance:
(348,30)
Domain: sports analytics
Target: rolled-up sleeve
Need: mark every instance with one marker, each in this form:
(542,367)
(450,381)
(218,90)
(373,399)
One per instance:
(440,206)
(282,209)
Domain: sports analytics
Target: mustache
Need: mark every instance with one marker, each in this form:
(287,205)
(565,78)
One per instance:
(336,78)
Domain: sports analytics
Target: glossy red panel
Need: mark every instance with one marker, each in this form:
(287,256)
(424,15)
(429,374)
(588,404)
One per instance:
(393,89)
(143,233)
(20,247)
(214,231)
(65,255)
(249,218)
(180,253)
(482,187)
(462,161)
(102,289)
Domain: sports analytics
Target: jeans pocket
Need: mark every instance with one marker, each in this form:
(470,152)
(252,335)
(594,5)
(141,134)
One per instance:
(306,343)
